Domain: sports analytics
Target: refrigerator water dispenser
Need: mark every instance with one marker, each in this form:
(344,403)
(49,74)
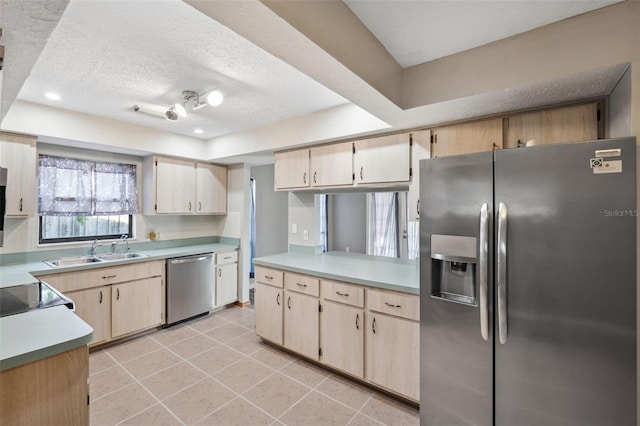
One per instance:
(453,261)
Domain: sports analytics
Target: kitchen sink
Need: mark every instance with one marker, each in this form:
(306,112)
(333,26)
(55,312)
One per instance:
(70,261)
(120,256)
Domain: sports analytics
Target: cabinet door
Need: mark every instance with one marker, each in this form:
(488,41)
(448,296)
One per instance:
(332,165)
(18,155)
(226,284)
(570,124)
(421,145)
(175,186)
(211,189)
(393,354)
(342,337)
(291,169)
(136,305)
(94,307)
(268,305)
(467,138)
(301,324)
(383,159)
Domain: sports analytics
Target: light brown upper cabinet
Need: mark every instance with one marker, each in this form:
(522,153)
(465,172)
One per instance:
(569,124)
(421,142)
(332,165)
(18,155)
(468,138)
(292,169)
(211,189)
(384,159)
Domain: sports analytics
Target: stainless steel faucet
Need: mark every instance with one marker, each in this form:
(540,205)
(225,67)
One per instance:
(94,247)
(125,238)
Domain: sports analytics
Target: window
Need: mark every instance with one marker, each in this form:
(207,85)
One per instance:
(323,220)
(80,200)
(389,231)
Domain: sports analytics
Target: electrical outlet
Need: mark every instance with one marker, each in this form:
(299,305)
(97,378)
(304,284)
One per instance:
(305,235)
(294,228)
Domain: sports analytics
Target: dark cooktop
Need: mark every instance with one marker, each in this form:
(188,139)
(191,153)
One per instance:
(27,297)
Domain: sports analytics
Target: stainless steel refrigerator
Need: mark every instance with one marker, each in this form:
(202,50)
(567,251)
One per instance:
(528,286)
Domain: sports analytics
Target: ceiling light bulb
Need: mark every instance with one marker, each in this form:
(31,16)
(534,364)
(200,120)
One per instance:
(180,110)
(52,96)
(215,98)
(198,131)
(171,114)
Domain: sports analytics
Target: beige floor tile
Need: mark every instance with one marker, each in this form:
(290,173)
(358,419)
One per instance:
(120,405)
(156,416)
(318,409)
(216,359)
(305,372)
(207,323)
(247,322)
(227,332)
(391,412)
(107,381)
(151,363)
(362,420)
(193,346)
(235,313)
(244,374)
(174,334)
(99,361)
(195,402)
(167,382)
(127,351)
(345,391)
(247,343)
(273,357)
(238,413)
(276,394)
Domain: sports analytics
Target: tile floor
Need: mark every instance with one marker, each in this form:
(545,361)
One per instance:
(215,371)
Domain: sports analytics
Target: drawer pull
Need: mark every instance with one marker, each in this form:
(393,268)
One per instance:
(342,294)
(268,277)
(107,277)
(301,285)
(373,325)
(392,305)
(357,324)
(101,297)
(227,257)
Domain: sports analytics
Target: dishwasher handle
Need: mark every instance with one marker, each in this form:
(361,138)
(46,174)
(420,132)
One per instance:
(190,259)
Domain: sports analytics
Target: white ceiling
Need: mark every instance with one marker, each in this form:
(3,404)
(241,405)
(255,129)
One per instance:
(105,56)
(418,31)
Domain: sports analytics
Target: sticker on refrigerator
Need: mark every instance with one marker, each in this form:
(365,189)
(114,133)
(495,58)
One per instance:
(609,152)
(601,166)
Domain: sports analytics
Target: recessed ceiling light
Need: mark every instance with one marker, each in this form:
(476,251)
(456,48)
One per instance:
(198,131)
(52,96)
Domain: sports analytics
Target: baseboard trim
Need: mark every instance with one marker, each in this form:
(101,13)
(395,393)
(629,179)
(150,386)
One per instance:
(243,304)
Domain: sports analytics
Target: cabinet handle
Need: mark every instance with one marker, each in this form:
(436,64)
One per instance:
(227,257)
(361,170)
(189,205)
(342,294)
(304,178)
(107,277)
(21,204)
(289,302)
(101,297)
(392,305)
(315,177)
(373,325)
(357,325)
(278,299)
(268,277)
(118,295)
(418,207)
(301,285)
(199,206)
(219,272)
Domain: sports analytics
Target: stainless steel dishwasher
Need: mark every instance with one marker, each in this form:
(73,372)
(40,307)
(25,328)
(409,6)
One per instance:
(190,284)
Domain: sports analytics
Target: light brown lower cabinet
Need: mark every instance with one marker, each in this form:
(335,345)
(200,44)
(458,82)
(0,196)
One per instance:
(93,305)
(392,354)
(268,306)
(342,337)
(136,305)
(50,391)
(301,324)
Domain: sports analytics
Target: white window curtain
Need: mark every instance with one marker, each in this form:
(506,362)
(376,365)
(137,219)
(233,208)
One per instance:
(383,224)
(323,218)
(71,187)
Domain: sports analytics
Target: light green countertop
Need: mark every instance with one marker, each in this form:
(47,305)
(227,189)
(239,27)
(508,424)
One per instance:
(381,272)
(46,332)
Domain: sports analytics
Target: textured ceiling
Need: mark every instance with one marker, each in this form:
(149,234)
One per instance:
(104,57)
(419,31)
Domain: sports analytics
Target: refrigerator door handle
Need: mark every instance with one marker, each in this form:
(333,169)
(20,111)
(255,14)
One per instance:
(484,249)
(502,272)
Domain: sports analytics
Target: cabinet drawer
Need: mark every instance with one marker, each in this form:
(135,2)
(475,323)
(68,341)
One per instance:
(79,280)
(343,293)
(269,276)
(392,303)
(302,284)
(226,257)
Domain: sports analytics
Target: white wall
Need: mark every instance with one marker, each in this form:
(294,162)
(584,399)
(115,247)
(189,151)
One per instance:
(302,212)
(348,222)
(272,213)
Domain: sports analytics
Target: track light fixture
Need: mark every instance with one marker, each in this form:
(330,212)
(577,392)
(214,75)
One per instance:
(190,99)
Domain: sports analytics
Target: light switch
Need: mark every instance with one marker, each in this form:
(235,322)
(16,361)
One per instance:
(294,228)
(305,235)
